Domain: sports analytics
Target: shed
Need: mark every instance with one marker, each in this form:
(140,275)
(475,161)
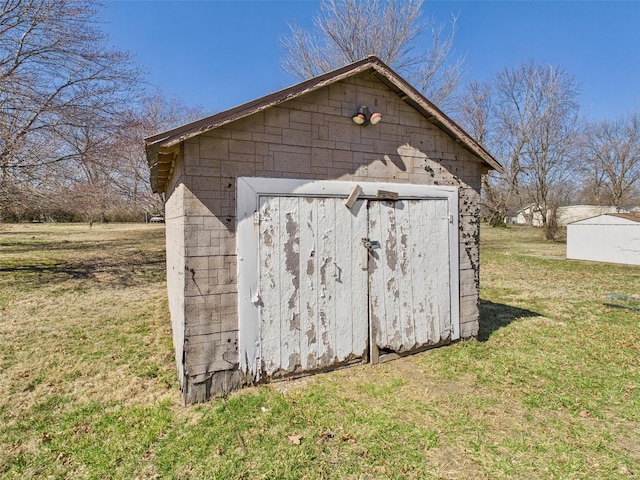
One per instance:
(329,223)
(612,237)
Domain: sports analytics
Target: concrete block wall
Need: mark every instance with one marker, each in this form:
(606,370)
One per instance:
(174,231)
(309,137)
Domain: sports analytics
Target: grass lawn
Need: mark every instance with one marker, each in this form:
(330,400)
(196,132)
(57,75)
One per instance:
(551,389)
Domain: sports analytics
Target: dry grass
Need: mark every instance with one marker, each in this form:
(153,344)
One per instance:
(70,296)
(87,389)
(82,326)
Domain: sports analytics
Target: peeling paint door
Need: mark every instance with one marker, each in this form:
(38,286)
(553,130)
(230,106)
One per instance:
(322,304)
(313,289)
(410,297)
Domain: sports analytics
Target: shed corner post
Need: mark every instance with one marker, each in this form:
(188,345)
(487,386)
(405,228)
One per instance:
(247,205)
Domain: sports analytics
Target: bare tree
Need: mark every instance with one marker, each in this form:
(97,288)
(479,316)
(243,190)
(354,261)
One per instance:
(57,78)
(543,100)
(349,30)
(477,113)
(611,157)
(529,119)
(153,113)
(108,179)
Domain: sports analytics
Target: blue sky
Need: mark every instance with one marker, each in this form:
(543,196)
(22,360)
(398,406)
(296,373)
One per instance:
(218,54)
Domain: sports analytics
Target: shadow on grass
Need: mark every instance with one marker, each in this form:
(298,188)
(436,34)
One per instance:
(27,246)
(494,316)
(621,301)
(627,308)
(108,268)
(35,246)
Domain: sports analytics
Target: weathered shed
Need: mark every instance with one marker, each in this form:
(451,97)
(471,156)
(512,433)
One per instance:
(305,232)
(612,237)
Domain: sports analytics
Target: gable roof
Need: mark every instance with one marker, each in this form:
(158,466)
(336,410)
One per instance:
(162,148)
(634,217)
(610,219)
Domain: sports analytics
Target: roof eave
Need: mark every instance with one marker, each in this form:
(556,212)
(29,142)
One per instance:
(429,110)
(193,129)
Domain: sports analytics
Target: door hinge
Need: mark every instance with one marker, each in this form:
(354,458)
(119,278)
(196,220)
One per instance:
(256,218)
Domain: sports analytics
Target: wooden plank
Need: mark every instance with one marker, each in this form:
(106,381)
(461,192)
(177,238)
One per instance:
(377,297)
(435,298)
(308,284)
(387,195)
(341,276)
(326,288)
(419,269)
(394,275)
(289,278)
(405,274)
(359,301)
(350,281)
(269,258)
(387,285)
(440,263)
(353,196)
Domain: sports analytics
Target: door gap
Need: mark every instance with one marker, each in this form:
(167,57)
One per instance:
(387,354)
(372,349)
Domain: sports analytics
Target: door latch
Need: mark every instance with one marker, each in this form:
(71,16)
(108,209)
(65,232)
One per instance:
(365,250)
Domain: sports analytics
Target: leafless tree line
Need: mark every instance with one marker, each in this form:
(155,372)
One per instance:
(73,113)
(529,117)
(610,164)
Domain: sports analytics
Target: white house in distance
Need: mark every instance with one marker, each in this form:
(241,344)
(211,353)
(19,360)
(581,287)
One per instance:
(612,237)
(530,215)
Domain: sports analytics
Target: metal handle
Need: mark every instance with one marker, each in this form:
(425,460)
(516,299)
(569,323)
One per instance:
(369,244)
(365,250)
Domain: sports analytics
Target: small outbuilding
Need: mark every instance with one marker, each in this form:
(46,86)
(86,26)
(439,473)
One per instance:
(612,237)
(330,223)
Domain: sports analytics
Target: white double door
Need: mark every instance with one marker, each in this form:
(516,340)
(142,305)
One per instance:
(339,285)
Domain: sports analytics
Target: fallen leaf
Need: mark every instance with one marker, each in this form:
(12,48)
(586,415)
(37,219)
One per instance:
(295,438)
(242,444)
(347,438)
(325,436)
